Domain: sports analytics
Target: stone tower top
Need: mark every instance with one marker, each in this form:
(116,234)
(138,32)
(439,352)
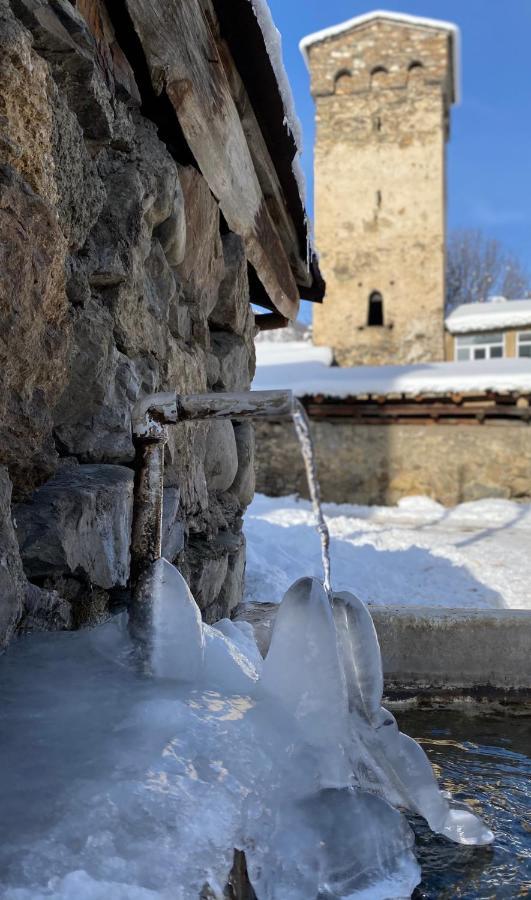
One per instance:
(360,60)
(383,86)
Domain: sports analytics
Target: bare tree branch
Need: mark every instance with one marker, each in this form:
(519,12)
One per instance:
(478,267)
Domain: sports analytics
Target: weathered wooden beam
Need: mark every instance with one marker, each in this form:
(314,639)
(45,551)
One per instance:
(111,58)
(377,413)
(184,60)
(265,170)
(270,321)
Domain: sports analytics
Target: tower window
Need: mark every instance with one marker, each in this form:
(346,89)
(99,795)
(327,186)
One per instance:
(415,71)
(378,75)
(375,315)
(343,81)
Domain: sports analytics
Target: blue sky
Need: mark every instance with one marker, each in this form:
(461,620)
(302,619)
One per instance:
(489,154)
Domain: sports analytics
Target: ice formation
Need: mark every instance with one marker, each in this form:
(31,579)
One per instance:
(144,786)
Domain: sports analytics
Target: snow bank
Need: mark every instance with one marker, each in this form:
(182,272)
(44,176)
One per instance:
(418,553)
(489,316)
(307,371)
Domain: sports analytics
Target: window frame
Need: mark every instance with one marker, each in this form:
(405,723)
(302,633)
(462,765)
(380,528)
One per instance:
(519,342)
(466,342)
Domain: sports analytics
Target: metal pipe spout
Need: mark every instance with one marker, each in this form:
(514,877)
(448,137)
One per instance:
(150,419)
(152,413)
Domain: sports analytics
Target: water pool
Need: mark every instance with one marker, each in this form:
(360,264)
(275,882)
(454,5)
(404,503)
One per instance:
(485,760)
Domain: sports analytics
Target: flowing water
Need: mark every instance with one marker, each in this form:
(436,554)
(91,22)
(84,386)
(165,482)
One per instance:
(485,759)
(302,428)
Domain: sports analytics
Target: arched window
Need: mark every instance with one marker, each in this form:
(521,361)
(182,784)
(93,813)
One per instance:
(376,314)
(415,71)
(343,81)
(379,76)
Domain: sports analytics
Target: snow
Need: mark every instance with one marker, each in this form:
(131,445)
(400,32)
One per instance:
(294,332)
(418,553)
(404,18)
(307,371)
(273,43)
(489,316)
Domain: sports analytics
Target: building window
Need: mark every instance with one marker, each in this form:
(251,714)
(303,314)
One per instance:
(375,315)
(379,76)
(523,345)
(487,345)
(343,82)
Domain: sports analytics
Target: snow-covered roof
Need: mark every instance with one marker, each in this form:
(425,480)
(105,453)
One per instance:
(273,43)
(488,316)
(307,371)
(404,19)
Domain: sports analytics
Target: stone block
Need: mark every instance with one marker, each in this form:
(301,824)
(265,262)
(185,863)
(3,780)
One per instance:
(172,525)
(232,591)
(45,611)
(12,580)
(221,456)
(37,330)
(79,524)
(243,486)
(232,308)
(93,416)
(235,364)
(202,268)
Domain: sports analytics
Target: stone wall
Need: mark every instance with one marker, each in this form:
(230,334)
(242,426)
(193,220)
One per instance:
(118,278)
(382,93)
(379,464)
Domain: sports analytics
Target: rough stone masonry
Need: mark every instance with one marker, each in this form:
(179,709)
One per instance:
(118,278)
(383,87)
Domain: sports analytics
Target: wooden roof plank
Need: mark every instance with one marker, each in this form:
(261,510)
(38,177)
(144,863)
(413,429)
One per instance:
(183,59)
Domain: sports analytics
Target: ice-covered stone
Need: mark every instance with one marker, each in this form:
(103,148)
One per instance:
(79,523)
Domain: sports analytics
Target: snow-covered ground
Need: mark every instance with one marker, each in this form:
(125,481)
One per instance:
(417,553)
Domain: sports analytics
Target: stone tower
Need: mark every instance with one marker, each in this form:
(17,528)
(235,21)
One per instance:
(383,86)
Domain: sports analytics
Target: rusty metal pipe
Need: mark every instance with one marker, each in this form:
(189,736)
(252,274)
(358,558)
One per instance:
(152,413)
(150,417)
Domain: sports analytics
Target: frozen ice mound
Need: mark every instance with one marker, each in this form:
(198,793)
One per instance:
(393,763)
(117,785)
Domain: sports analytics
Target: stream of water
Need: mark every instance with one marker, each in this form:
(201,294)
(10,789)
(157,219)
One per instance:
(304,435)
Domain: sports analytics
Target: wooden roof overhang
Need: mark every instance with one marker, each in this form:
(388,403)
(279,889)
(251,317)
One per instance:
(209,58)
(472,408)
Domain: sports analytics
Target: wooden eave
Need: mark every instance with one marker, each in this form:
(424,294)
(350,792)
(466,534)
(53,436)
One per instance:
(467,408)
(190,61)
(239,27)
